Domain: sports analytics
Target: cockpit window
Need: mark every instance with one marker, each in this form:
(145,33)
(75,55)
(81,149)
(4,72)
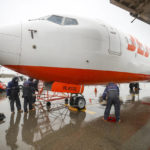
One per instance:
(70,21)
(55,19)
(61,20)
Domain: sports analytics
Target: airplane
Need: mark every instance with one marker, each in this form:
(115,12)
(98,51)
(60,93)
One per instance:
(69,52)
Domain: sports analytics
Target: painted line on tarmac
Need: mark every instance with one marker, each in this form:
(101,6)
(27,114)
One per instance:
(88,111)
(92,104)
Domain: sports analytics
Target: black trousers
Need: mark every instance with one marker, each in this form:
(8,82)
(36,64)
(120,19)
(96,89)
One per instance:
(112,101)
(27,101)
(33,99)
(14,99)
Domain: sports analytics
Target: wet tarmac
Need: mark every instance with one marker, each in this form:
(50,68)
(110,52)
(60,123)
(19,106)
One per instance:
(62,129)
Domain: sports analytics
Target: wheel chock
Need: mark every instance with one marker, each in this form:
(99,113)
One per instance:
(72,108)
(76,109)
(111,119)
(146,103)
(84,109)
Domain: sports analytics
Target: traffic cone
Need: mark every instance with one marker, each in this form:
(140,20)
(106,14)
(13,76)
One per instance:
(90,100)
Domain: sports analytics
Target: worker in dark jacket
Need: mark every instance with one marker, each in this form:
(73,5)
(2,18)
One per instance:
(112,93)
(28,91)
(35,83)
(13,94)
(131,86)
(136,85)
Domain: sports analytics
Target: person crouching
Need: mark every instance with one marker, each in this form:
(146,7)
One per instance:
(112,93)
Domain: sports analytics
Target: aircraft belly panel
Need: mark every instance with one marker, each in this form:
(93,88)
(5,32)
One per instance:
(78,76)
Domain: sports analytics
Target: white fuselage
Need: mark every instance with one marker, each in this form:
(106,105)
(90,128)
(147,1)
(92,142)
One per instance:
(88,53)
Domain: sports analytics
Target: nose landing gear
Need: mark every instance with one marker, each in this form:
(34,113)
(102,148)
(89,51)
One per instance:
(77,101)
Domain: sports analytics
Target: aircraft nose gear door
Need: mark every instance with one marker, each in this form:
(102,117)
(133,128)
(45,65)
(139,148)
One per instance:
(114,41)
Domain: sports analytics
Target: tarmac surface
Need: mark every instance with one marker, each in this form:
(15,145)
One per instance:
(62,129)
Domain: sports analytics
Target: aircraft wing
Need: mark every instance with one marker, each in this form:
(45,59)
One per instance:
(139,9)
(2,75)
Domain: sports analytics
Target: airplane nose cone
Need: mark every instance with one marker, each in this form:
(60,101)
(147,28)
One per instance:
(10,43)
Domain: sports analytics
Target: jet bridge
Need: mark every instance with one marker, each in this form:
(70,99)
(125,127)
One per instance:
(139,9)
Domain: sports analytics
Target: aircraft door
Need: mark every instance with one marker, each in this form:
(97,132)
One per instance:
(114,41)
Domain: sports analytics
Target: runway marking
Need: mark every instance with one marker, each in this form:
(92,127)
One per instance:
(92,104)
(88,111)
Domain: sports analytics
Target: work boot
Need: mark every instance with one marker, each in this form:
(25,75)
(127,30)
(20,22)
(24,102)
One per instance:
(104,119)
(119,121)
(33,109)
(103,103)
(34,104)
(20,110)
(25,112)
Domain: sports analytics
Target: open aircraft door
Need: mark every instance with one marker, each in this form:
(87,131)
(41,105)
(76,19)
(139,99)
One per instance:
(114,41)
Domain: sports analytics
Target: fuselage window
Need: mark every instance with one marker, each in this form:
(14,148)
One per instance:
(55,19)
(70,21)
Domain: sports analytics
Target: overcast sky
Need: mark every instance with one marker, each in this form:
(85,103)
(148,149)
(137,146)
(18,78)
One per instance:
(12,11)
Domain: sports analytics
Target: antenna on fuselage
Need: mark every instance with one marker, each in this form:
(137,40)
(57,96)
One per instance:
(133,20)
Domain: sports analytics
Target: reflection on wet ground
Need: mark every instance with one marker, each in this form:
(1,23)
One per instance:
(2,96)
(12,131)
(63,129)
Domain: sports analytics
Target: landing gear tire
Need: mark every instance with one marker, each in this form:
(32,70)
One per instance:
(66,101)
(48,105)
(72,101)
(78,102)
